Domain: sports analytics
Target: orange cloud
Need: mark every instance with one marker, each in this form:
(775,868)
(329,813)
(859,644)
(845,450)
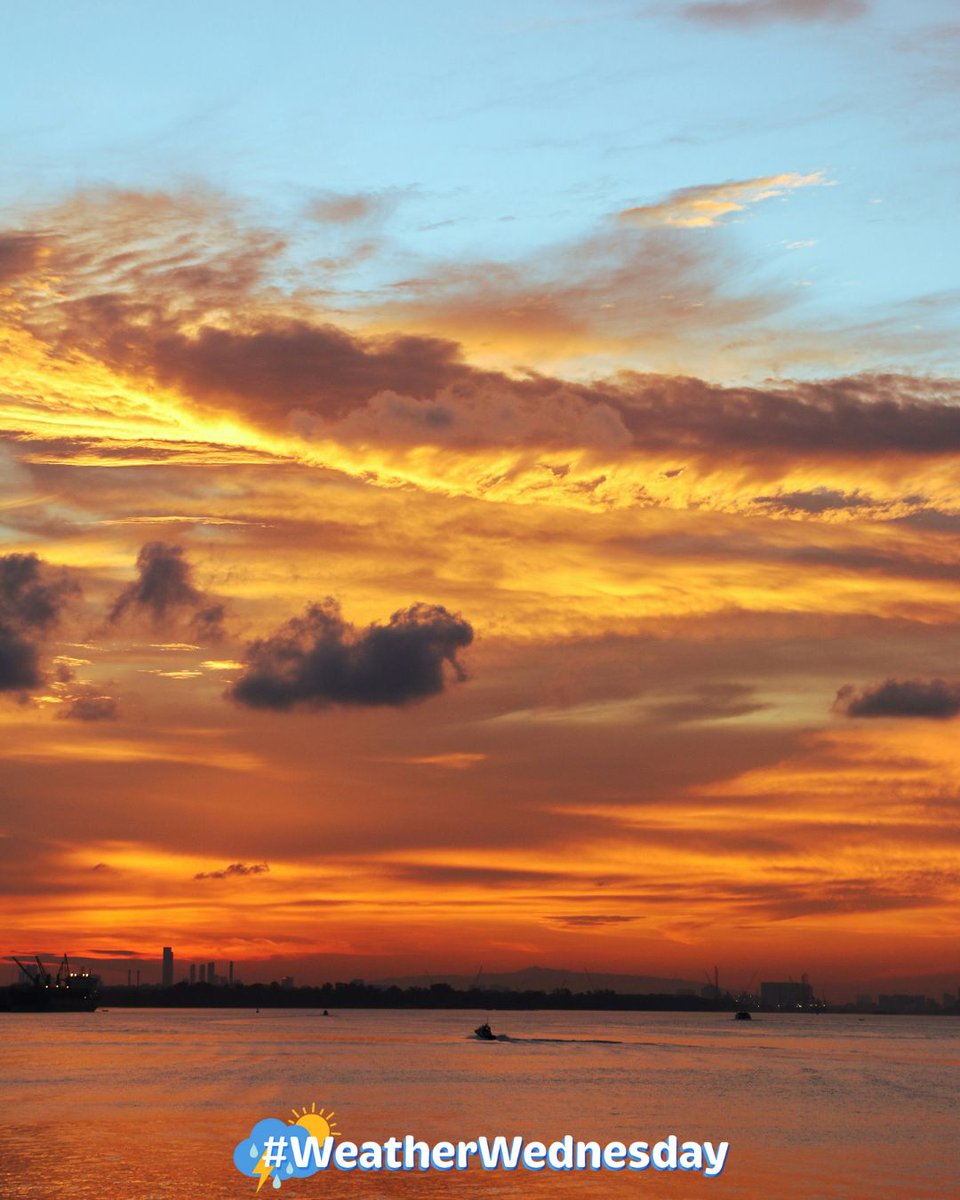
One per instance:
(667,581)
(707,204)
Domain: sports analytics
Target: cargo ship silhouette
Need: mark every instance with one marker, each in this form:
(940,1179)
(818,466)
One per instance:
(40,991)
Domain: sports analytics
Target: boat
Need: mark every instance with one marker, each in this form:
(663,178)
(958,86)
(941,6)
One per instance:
(742,1016)
(40,991)
(484,1033)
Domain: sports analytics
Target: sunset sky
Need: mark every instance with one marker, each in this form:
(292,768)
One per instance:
(479,484)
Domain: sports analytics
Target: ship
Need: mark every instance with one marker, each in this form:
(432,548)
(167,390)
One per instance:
(39,991)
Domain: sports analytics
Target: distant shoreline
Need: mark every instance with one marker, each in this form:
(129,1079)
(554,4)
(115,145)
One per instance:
(441,997)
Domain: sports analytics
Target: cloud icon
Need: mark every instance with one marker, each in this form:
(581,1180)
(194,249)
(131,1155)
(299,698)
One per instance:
(248,1154)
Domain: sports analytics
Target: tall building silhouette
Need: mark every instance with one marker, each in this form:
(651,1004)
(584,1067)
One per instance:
(167,977)
(203,972)
(193,972)
(211,972)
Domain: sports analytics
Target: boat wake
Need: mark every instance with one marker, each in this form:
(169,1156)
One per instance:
(535,1041)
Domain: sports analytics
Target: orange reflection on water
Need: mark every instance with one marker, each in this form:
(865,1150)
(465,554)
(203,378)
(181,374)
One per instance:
(138,1103)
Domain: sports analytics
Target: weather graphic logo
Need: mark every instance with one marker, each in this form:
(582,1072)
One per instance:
(308,1144)
(283,1151)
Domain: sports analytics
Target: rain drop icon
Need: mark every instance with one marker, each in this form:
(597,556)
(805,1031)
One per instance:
(254,1152)
(276,1181)
(289,1168)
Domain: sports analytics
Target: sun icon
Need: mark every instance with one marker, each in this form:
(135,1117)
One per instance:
(318,1124)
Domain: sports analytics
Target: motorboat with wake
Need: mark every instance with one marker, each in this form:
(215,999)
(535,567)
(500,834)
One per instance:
(483,1033)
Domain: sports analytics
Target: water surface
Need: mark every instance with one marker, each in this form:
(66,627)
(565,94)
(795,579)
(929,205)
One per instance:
(141,1104)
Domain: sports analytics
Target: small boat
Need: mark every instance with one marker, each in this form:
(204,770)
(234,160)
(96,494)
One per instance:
(742,1016)
(484,1033)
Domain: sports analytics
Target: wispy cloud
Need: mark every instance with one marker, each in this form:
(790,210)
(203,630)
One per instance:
(936,53)
(235,870)
(451,761)
(706,204)
(348,208)
(739,13)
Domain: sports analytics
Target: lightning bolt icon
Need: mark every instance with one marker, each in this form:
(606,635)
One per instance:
(263,1171)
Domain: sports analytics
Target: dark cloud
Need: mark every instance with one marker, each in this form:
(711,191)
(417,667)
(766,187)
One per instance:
(590,921)
(87,703)
(165,595)
(319,659)
(934,520)
(739,13)
(816,501)
(81,701)
(860,416)
(936,699)
(207,623)
(31,594)
(19,661)
(235,869)
(277,366)
(32,597)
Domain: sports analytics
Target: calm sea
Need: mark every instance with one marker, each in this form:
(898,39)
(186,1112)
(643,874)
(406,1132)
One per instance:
(140,1104)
